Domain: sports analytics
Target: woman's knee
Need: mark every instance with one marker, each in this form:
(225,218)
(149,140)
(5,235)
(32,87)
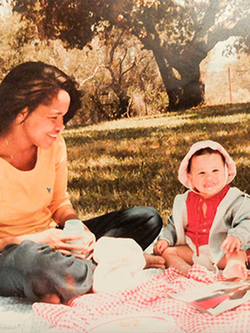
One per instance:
(43,271)
(153,218)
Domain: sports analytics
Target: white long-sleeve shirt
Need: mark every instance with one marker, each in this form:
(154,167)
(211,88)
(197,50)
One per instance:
(232,219)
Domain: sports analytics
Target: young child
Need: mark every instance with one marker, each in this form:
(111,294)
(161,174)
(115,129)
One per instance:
(210,223)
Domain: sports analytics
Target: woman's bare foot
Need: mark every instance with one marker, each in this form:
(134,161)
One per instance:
(51,298)
(235,269)
(153,261)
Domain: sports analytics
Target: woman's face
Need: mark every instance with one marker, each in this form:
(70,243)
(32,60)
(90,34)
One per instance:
(43,125)
(207,174)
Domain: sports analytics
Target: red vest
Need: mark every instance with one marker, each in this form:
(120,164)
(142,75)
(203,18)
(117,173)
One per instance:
(201,213)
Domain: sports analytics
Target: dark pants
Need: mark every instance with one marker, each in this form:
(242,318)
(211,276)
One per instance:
(33,270)
(143,224)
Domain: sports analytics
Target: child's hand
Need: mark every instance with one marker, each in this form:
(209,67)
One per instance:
(161,246)
(231,244)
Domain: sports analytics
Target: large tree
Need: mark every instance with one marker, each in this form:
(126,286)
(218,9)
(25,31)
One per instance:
(180,33)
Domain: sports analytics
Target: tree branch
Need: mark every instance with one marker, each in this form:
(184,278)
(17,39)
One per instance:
(228,29)
(209,17)
(93,75)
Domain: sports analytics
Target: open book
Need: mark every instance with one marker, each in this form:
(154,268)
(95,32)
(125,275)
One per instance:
(217,297)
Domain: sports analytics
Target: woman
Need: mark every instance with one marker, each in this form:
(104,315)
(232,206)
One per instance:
(36,262)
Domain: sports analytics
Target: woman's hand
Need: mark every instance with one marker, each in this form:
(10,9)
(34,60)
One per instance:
(89,241)
(56,239)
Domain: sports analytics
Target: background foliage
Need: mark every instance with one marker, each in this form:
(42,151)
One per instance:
(131,57)
(179,34)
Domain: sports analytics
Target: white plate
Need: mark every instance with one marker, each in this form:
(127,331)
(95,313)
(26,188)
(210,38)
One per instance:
(135,324)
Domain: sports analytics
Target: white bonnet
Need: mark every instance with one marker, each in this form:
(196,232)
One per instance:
(182,173)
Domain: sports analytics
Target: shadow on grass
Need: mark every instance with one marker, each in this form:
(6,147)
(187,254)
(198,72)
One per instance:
(206,127)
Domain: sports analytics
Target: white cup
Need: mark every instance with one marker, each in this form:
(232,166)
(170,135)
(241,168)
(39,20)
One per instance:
(74,228)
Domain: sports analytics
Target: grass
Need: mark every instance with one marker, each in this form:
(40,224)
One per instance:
(134,162)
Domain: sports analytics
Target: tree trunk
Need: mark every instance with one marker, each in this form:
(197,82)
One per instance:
(183,93)
(186,96)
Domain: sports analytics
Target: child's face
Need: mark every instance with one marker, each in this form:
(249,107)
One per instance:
(207,174)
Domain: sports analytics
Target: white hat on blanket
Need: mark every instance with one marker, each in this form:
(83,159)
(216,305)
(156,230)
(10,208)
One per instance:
(182,173)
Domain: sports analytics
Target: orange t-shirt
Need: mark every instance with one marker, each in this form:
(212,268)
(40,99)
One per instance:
(28,199)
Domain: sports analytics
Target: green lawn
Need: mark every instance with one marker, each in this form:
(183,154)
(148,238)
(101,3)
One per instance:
(135,161)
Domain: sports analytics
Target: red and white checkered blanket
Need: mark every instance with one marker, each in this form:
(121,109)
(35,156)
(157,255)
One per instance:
(149,297)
